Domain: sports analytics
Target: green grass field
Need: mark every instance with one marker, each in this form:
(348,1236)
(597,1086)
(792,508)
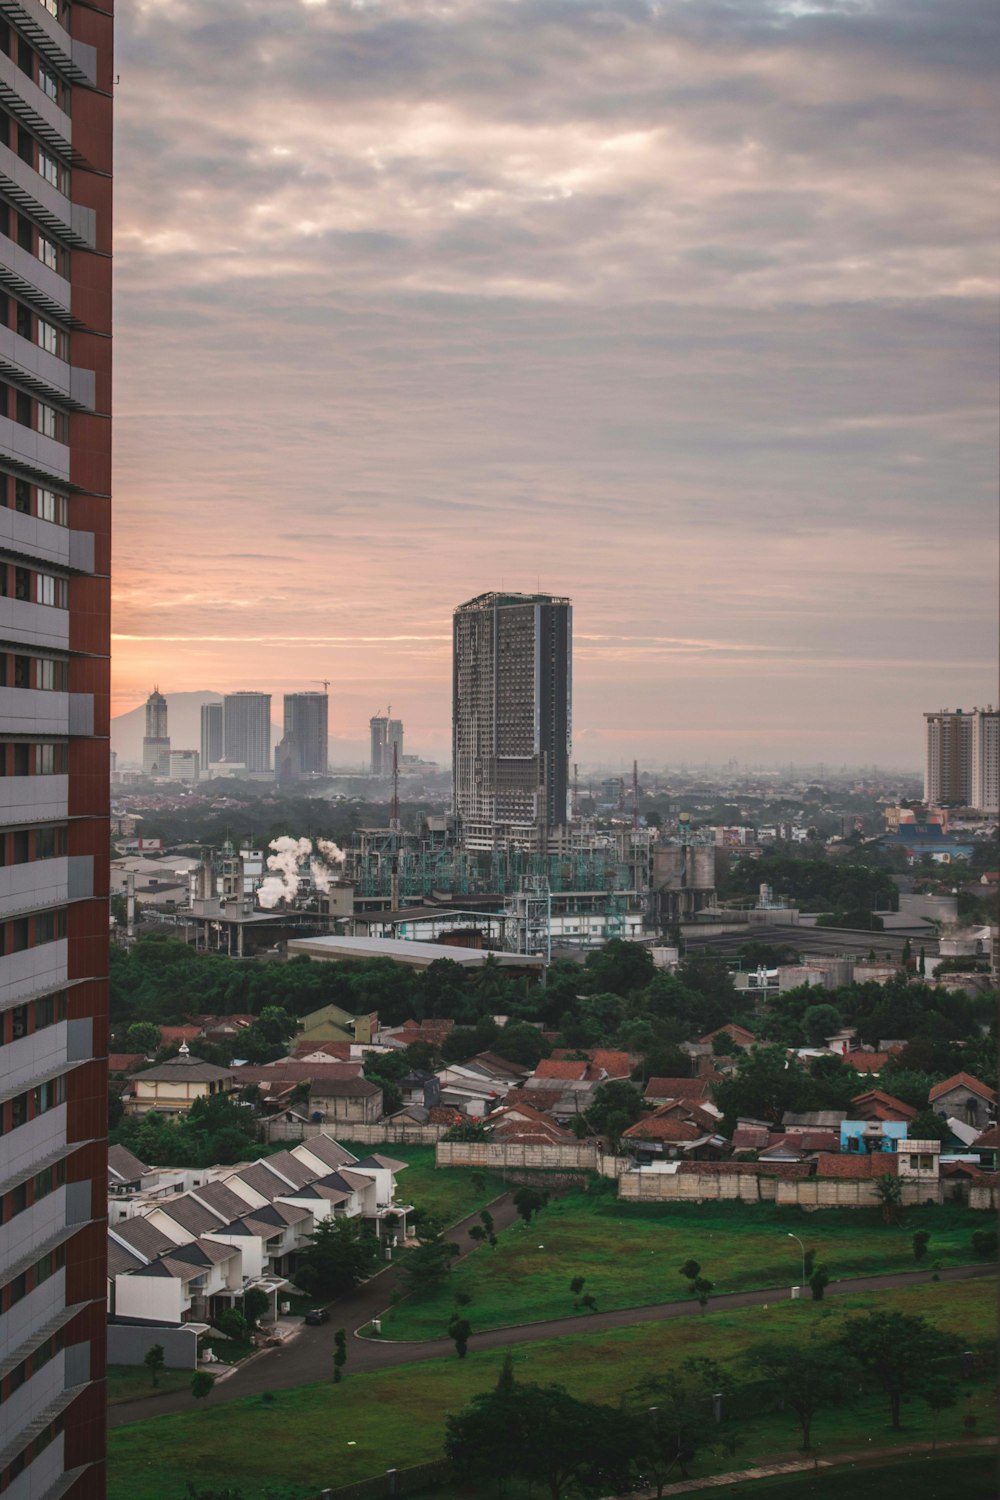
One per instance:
(939,1476)
(326,1435)
(629,1256)
(131,1383)
(449,1194)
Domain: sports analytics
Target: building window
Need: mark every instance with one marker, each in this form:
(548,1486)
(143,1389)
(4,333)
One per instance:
(51,590)
(22,496)
(51,507)
(22,408)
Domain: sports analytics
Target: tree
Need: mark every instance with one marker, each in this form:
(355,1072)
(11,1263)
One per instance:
(819,1022)
(232,1324)
(255,1305)
(460,1330)
(142,1036)
(343,1253)
(896,1349)
(809,1263)
(889,1194)
(672,1421)
(201,1384)
(619,968)
(614,1102)
(154,1360)
(920,1241)
(818,1282)
(425,1268)
(529,1201)
(938,1390)
(804,1377)
(339,1355)
(928,1127)
(543,1435)
(702,1289)
(691,1269)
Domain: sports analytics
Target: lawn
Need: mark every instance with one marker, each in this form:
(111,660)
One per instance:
(630,1255)
(131,1383)
(447,1193)
(326,1435)
(932,1477)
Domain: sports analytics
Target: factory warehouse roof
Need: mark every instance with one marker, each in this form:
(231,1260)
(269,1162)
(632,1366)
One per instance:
(418,955)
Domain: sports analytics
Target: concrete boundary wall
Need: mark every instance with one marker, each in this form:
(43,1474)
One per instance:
(499,1156)
(367,1135)
(129,1343)
(748,1187)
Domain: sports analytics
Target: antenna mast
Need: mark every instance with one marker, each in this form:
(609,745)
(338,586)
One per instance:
(394,804)
(635,794)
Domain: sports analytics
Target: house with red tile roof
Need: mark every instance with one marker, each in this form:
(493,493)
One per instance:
(659,1090)
(876,1104)
(966,1098)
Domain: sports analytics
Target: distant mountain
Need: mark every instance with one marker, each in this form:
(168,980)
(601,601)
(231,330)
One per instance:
(184,725)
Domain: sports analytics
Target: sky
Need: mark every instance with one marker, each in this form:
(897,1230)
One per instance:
(684,310)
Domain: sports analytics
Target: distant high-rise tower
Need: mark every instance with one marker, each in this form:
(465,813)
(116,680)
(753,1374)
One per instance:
(156,742)
(212,742)
(511,718)
(57,71)
(306,721)
(962,763)
(247,729)
(386,744)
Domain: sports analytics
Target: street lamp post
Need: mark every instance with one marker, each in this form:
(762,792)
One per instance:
(802,1247)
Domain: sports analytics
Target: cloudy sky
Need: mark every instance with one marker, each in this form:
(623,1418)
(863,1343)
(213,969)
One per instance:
(682,309)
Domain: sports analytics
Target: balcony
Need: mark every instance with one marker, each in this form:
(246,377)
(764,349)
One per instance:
(40,713)
(43,456)
(44,541)
(50,377)
(33,971)
(33,799)
(41,625)
(24,274)
(42,883)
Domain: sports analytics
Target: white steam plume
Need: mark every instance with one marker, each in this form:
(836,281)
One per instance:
(288,855)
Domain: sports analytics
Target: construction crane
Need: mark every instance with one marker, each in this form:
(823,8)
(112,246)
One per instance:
(325,681)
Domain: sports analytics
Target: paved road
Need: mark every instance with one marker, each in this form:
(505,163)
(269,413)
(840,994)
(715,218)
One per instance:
(309,1356)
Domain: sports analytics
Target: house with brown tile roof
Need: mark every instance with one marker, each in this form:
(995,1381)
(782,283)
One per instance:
(857,1166)
(659,1090)
(877,1104)
(738,1034)
(965,1097)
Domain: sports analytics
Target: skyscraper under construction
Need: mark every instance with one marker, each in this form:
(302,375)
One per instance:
(511,719)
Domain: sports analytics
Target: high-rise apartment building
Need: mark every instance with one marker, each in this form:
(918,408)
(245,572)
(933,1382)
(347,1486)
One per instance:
(306,723)
(386,744)
(156,741)
(55,532)
(212,741)
(246,719)
(511,719)
(962,762)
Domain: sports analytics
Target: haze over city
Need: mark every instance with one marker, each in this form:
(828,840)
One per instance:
(693,330)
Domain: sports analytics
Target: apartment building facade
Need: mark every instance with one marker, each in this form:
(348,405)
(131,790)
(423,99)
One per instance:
(56,87)
(511,719)
(962,759)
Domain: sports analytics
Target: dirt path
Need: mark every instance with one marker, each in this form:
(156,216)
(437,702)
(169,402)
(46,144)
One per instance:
(308,1357)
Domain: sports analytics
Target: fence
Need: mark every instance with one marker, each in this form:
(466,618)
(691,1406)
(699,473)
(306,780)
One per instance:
(754,1187)
(499,1156)
(367,1135)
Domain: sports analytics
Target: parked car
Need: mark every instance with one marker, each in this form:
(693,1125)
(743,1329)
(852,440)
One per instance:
(318,1315)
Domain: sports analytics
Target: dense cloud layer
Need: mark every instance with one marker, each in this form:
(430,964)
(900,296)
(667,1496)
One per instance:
(682,309)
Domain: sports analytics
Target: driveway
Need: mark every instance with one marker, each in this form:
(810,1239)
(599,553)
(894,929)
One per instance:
(309,1356)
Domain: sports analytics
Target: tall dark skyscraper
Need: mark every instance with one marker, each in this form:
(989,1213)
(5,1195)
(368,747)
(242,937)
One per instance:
(306,723)
(511,718)
(247,729)
(55,551)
